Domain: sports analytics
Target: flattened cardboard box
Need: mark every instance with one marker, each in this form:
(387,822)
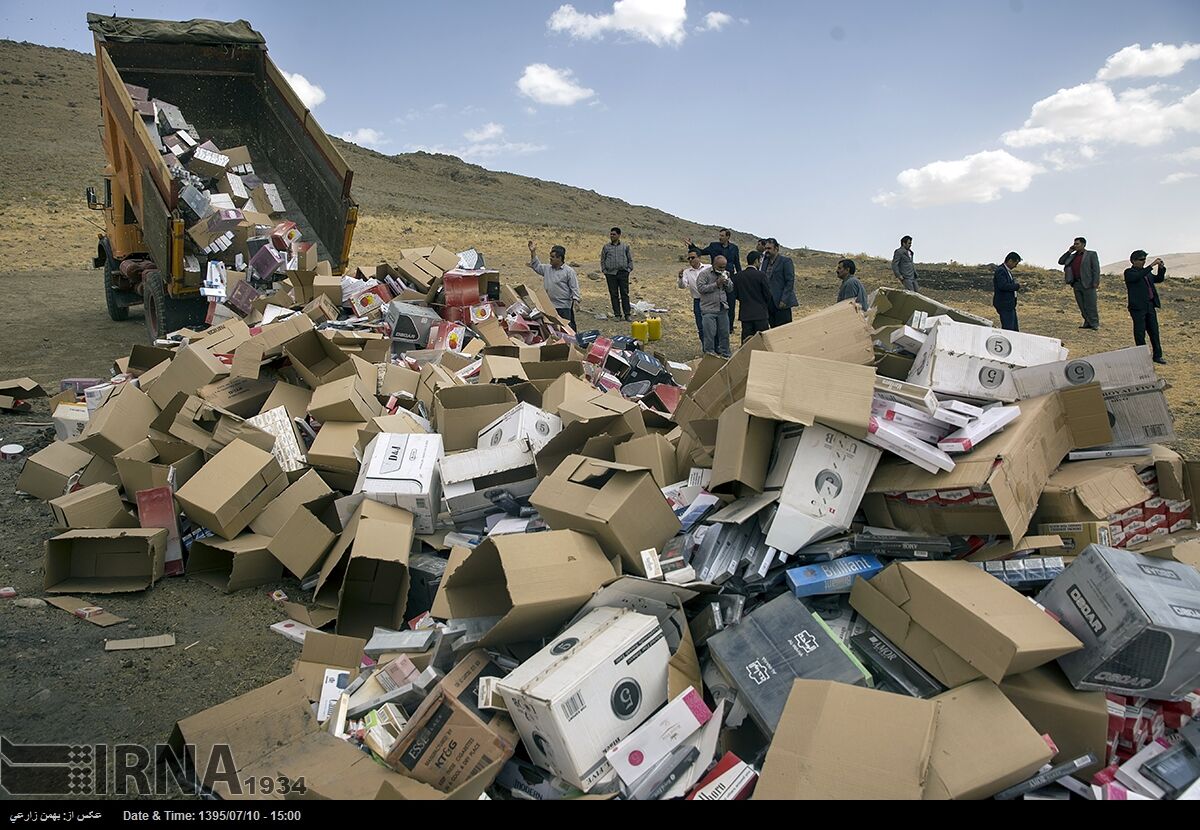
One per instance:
(805,390)
(97,506)
(1090,491)
(105,561)
(836,741)
(48,471)
(148,464)
(119,425)
(958,622)
(232,488)
(230,566)
(1076,721)
(1013,466)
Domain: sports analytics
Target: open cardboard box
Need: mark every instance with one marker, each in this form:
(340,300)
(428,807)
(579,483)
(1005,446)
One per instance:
(232,488)
(230,565)
(105,561)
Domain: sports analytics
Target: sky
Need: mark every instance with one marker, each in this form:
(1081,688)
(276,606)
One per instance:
(976,127)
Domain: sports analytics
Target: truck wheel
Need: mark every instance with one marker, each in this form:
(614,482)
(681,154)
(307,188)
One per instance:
(165,314)
(117,310)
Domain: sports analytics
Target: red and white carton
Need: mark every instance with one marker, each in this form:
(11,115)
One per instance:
(284,234)
(957,498)
(969,437)
(156,508)
(642,750)
(8,592)
(1132,514)
(598,352)
(1148,476)
(1158,532)
(1156,505)
(921,496)
(732,779)
(1137,539)
(899,441)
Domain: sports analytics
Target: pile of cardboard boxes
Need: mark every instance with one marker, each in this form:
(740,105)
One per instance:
(888,555)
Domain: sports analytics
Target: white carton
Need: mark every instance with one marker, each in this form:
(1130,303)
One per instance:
(469,479)
(969,437)
(671,726)
(1012,348)
(402,471)
(826,480)
(70,419)
(910,447)
(976,362)
(909,339)
(588,689)
(525,421)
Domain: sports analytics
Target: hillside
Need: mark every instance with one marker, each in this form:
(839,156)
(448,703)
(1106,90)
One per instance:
(1178,265)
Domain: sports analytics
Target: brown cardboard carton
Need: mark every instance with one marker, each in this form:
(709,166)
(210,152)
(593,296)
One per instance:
(232,488)
(318,360)
(306,536)
(653,452)
(495,369)
(374,590)
(460,412)
(434,377)
(105,561)
(1013,466)
(804,390)
(92,507)
(293,398)
(192,368)
(328,287)
(309,487)
(836,741)
(143,358)
(332,454)
(1076,721)
(230,565)
(148,464)
(323,651)
(225,338)
(982,745)
(243,397)
(533,582)
(743,450)
(48,472)
(397,380)
(1090,491)
(345,399)
(375,521)
(120,424)
(618,504)
(959,622)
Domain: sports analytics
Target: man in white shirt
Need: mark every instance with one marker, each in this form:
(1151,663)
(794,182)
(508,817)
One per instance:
(559,280)
(687,279)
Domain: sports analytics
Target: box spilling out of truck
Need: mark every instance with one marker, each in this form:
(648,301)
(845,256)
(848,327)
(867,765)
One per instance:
(527,562)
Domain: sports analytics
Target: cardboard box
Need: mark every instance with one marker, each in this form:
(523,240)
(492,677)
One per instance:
(472,480)
(230,566)
(287,446)
(307,533)
(243,397)
(1076,536)
(308,488)
(1138,619)
(958,622)
(825,483)
(1090,492)
(399,381)
(410,324)
(105,561)
(191,368)
(333,454)
(96,506)
(345,399)
(374,589)
(653,452)
(402,471)
(120,425)
(618,504)
(318,360)
(449,740)
(156,462)
(70,420)
(48,472)
(805,390)
(461,412)
(546,578)
(1076,721)
(982,745)
(638,756)
(294,399)
(495,369)
(836,741)
(523,422)
(587,690)
(1012,467)
(232,488)
(904,443)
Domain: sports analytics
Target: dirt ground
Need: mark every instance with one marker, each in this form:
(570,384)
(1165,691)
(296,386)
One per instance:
(58,684)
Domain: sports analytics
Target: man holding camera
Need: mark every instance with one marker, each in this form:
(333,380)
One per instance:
(1144,300)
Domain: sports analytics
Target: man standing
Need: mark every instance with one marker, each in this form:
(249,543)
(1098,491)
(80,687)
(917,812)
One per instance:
(903,267)
(723,247)
(1082,270)
(687,279)
(616,261)
(1004,294)
(1144,300)
(754,297)
(559,280)
(851,288)
(781,277)
(712,283)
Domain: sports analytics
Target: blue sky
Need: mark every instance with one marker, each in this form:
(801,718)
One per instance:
(977,127)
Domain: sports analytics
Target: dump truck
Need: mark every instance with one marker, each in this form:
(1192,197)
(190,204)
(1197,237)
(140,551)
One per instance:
(220,76)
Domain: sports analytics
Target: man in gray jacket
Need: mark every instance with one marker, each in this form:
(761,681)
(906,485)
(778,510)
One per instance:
(903,267)
(616,261)
(712,283)
(1082,270)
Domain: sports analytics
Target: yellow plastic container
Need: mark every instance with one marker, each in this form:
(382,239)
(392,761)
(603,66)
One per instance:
(654,325)
(641,331)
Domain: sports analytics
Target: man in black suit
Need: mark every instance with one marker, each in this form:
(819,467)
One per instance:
(1004,294)
(1144,300)
(754,297)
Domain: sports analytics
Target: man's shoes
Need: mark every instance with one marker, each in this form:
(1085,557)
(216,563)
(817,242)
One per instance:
(1085,326)
(1160,361)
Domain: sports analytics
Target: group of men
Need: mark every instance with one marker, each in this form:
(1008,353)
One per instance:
(763,293)
(1081,271)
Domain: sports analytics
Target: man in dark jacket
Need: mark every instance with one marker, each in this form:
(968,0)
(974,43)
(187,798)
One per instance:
(1004,295)
(1082,270)
(1144,300)
(754,297)
(852,288)
(722,247)
(781,277)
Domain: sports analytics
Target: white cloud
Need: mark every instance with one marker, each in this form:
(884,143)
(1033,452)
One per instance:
(1176,178)
(366,137)
(488,132)
(660,22)
(1093,113)
(1159,61)
(309,93)
(1067,219)
(979,178)
(716,21)
(552,87)
(1192,154)
(1070,157)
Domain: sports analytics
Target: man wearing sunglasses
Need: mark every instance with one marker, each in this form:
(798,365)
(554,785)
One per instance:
(1144,300)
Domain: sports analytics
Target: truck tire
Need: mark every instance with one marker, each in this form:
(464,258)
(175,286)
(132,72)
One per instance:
(165,314)
(117,310)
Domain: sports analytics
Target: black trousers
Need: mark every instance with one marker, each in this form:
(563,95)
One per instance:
(753,327)
(1146,322)
(618,292)
(732,295)
(1008,318)
(567,315)
(780,317)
